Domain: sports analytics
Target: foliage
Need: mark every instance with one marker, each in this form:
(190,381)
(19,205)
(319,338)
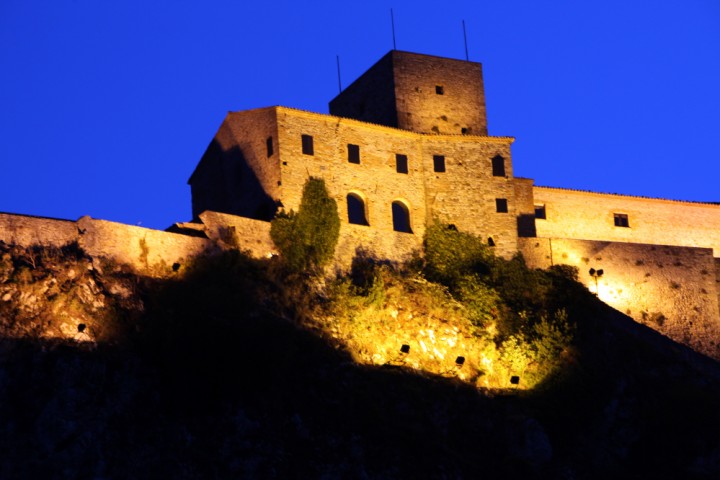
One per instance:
(450,255)
(307,239)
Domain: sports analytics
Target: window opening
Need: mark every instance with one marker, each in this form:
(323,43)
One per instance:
(498,166)
(439,89)
(356,210)
(540,212)
(307,145)
(401,217)
(501,205)
(269,145)
(353,153)
(401,163)
(491,242)
(439,163)
(621,220)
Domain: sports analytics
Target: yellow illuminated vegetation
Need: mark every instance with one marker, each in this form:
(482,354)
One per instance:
(458,312)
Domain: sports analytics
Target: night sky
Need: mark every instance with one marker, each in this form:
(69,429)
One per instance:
(106,107)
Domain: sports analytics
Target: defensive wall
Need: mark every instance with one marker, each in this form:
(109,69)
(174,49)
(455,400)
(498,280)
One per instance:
(147,251)
(589,215)
(668,288)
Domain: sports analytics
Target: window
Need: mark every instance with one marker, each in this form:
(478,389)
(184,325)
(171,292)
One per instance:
(491,242)
(439,163)
(439,89)
(621,220)
(498,166)
(353,153)
(401,217)
(307,145)
(501,205)
(356,210)
(269,145)
(540,212)
(464,130)
(401,163)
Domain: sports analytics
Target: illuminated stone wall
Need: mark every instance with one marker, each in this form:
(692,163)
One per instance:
(670,289)
(420,93)
(29,230)
(587,215)
(147,251)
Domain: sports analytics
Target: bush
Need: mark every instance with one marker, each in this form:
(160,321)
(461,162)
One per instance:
(451,255)
(307,239)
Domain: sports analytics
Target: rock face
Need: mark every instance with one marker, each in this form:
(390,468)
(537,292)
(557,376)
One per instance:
(104,374)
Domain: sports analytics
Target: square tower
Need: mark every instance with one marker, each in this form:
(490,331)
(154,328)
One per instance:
(421,93)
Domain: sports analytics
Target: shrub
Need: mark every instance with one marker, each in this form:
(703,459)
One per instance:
(451,255)
(307,239)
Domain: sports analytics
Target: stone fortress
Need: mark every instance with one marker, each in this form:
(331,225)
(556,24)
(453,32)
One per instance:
(404,145)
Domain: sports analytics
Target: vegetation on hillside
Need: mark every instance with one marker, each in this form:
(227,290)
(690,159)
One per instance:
(242,368)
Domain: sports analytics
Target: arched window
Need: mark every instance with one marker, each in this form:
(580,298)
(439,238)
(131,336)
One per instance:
(401,217)
(356,210)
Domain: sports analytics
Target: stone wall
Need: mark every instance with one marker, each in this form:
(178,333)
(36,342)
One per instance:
(239,174)
(670,289)
(439,95)
(464,194)
(420,93)
(247,234)
(149,252)
(587,215)
(30,230)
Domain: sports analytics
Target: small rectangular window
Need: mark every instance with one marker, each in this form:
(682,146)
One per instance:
(498,166)
(353,153)
(439,89)
(439,163)
(501,205)
(269,146)
(540,212)
(307,145)
(401,163)
(621,220)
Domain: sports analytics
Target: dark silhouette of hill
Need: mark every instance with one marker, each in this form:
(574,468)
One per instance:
(217,377)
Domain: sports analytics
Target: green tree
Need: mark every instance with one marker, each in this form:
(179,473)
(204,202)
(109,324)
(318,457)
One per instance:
(307,239)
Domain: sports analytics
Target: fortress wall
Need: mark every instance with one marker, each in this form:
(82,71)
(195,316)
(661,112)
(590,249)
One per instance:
(236,175)
(525,207)
(422,109)
(465,194)
(670,289)
(245,233)
(586,215)
(375,179)
(359,239)
(149,252)
(28,230)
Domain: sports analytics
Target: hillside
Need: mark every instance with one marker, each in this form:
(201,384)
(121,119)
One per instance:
(238,369)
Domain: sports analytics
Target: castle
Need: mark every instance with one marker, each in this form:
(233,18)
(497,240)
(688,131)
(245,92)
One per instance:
(407,144)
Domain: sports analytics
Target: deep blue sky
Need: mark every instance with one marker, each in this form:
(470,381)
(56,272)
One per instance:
(106,107)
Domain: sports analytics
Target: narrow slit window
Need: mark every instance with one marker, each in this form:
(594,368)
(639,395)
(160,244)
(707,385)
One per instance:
(307,145)
(621,220)
(401,163)
(269,144)
(540,212)
(501,205)
(439,163)
(498,166)
(353,153)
